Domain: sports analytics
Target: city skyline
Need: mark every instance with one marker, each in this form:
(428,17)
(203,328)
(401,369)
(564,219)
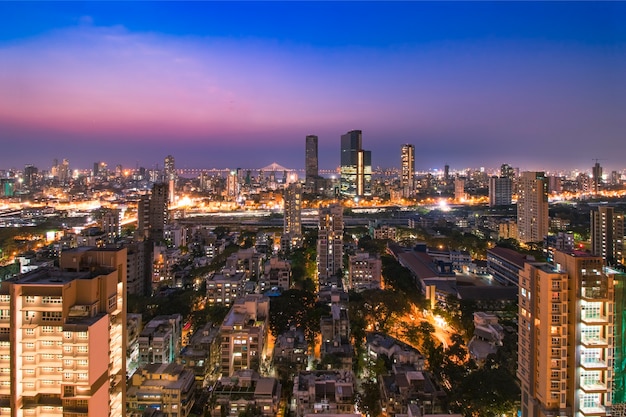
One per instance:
(220,85)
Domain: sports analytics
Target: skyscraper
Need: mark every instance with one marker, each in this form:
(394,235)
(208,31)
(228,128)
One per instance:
(596,172)
(500,191)
(171,177)
(532,207)
(329,242)
(293,214)
(356,166)
(408,170)
(311,168)
(64,337)
(158,214)
(607,234)
(565,332)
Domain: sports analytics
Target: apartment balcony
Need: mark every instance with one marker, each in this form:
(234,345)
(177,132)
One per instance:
(595,320)
(594,342)
(596,410)
(593,386)
(595,364)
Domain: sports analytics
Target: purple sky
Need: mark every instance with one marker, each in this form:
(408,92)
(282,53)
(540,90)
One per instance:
(89,82)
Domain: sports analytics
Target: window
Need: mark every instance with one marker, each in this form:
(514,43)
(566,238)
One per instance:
(29,332)
(51,315)
(47,329)
(82,335)
(30,299)
(51,300)
(5,314)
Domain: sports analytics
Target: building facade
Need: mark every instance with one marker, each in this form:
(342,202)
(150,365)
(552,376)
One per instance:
(329,242)
(63,337)
(607,234)
(407,177)
(356,166)
(532,207)
(566,337)
(500,191)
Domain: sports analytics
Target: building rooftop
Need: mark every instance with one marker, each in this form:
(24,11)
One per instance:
(56,276)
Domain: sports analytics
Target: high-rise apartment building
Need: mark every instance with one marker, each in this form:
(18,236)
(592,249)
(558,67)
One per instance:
(170,177)
(607,234)
(500,191)
(532,207)
(158,214)
(596,172)
(459,189)
(293,209)
(62,335)
(356,166)
(408,170)
(565,334)
(330,242)
(111,225)
(311,167)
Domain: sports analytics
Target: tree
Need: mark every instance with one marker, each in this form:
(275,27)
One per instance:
(368,400)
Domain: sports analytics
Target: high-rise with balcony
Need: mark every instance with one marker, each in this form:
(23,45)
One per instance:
(607,234)
(170,177)
(565,349)
(532,207)
(356,166)
(293,214)
(62,335)
(408,170)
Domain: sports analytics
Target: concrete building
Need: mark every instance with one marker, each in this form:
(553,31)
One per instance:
(203,354)
(607,234)
(356,166)
(111,225)
(243,334)
(160,340)
(224,289)
(330,243)
(245,389)
(327,392)
(505,264)
(168,388)
(277,273)
(566,337)
(62,335)
(459,190)
(532,207)
(364,272)
(500,191)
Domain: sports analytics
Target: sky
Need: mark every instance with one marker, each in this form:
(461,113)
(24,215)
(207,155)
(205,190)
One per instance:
(537,85)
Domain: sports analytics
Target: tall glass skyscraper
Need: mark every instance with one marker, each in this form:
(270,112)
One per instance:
(356,166)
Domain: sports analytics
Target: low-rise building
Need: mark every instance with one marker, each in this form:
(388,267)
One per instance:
(223,289)
(203,354)
(160,340)
(244,390)
(364,272)
(165,387)
(326,392)
(276,274)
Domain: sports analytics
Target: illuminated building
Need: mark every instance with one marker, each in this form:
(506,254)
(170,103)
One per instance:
(158,214)
(356,166)
(171,177)
(330,242)
(596,172)
(63,337)
(532,207)
(293,215)
(500,191)
(408,170)
(565,334)
(459,189)
(364,272)
(168,388)
(243,333)
(607,234)
(111,224)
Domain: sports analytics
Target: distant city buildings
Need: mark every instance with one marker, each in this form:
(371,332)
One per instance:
(292,216)
(311,163)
